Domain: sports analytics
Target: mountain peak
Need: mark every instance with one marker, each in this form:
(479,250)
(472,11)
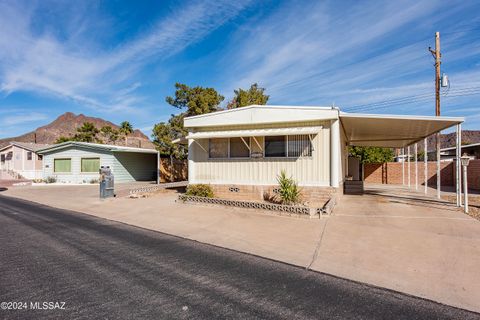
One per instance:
(66,125)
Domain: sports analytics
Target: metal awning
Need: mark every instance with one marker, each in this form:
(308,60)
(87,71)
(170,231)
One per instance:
(391,130)
(255,132)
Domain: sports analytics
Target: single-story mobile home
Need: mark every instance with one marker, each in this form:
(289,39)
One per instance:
(240,152)
(79,162)
(21,160)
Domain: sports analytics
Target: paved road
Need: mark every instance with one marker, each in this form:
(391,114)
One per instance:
(107,270)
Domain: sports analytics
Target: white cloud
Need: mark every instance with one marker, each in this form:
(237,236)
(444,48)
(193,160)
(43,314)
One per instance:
(22,118)
(91,75)
(351,55)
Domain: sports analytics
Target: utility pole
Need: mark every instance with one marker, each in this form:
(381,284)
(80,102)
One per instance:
(436,54)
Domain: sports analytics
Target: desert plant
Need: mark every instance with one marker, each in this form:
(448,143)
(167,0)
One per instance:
(199,190)
(289,192)
(51,179)
(94,181)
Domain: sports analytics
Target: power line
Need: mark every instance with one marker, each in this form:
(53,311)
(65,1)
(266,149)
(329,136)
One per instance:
(413,99)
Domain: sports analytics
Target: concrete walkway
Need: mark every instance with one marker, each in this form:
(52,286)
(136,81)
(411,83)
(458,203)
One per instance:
(390,237)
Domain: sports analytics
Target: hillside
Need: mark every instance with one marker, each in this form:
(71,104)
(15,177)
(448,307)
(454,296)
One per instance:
(66,125)
(448,140)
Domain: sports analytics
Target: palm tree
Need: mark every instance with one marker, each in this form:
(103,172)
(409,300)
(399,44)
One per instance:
(126,129)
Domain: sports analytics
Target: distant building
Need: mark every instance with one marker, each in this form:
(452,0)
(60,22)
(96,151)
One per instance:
(21,160)
(448,154)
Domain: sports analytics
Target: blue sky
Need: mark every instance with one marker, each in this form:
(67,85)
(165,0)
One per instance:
(119,59)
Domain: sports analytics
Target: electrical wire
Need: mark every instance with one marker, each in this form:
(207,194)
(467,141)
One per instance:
(413,99)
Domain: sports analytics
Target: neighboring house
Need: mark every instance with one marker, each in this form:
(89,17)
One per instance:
(449,154)
(240,152)
(21,160)
(79,162)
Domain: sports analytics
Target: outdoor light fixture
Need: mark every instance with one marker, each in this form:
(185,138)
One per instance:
(465,159)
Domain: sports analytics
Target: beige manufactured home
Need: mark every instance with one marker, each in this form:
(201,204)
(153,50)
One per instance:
(21,160)
(240,152)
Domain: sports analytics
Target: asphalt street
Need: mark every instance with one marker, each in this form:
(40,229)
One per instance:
(57,264)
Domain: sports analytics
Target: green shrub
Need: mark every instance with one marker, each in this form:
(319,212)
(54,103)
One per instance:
(289,192)
(199,190)
(51,179)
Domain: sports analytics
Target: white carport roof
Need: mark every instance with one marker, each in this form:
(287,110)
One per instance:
(394,131)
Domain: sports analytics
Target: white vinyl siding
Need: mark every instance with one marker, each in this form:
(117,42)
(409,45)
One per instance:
(311,170)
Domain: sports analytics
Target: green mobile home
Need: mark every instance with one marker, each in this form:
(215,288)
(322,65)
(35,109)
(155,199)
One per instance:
(78,162)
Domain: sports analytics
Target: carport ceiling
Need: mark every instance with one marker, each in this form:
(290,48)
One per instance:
(390,130)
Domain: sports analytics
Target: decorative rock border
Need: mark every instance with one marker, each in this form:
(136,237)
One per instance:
(294,210)
(151,188)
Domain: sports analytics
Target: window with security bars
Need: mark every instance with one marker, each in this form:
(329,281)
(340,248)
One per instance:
(299,146)
(218,148)
(239,148)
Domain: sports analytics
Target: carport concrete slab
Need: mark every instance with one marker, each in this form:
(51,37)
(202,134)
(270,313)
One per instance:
(396,238)
(390,237)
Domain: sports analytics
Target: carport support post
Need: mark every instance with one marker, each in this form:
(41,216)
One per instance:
(425,165)
(458,167)
(416,166)
(408,167)
(335,152)
(403,165)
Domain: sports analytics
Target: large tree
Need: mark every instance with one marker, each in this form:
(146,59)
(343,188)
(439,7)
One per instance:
(372,154)
(196,100)
(109,134)
(253,95)
(86,133)
(163,135)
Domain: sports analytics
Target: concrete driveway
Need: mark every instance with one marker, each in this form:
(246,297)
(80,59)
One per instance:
(390,237)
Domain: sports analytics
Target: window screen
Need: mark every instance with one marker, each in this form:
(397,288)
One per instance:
(90,164)
(299,146)
(238,148)
(218,148)
(275,146)
(29,155)
(62,165)
(10,155)
(3,158)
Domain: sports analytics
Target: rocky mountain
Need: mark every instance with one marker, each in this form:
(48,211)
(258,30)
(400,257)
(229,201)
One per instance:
(449,139)
(66,125)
